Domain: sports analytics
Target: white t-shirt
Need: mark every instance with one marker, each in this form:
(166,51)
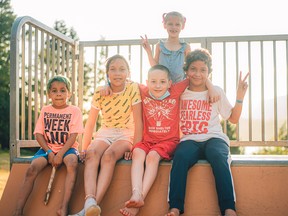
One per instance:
(200,120)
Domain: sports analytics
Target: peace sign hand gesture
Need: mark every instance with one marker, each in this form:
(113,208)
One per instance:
(242,86)
(145,44)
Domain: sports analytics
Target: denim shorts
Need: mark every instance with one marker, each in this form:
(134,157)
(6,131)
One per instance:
(42,153)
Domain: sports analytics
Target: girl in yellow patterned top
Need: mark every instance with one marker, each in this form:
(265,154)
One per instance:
(121,127)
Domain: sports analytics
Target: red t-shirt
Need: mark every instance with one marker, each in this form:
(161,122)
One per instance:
(161,117)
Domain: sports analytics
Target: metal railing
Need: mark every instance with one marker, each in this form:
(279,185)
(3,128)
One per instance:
(38,52)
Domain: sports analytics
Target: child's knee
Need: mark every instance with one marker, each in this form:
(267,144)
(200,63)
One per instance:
(108,157)
(153,157)
(71,163)
(32,172)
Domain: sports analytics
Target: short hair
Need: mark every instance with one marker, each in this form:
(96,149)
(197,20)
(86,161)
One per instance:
(200,54)
(162,68)
(59,78)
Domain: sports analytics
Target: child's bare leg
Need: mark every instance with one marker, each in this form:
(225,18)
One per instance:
(34,169)
(230,212)
(173,212)
(108,161)
(137,171)
(71,163)
(129,211)
(150,174)
(92,162)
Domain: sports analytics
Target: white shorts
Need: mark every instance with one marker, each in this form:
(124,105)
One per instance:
(110,135)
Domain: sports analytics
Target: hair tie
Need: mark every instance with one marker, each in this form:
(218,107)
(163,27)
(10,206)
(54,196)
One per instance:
(184,19)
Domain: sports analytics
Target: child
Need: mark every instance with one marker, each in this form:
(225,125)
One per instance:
(56,132)
(203,136)
(121,127)
(170,53)
(160,104)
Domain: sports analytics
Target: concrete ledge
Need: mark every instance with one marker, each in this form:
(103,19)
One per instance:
(261,188)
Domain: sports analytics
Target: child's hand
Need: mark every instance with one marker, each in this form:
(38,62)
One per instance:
(82,156)
(51,156)
(242,86)
(105,91)
(128,155)
(213,96)
(145,43)
(57,160)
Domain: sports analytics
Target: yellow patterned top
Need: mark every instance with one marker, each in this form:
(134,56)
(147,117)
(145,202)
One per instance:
(117,109)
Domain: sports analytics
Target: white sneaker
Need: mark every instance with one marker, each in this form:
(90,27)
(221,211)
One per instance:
(93,210)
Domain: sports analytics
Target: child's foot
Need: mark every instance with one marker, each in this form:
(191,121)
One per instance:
(173,212)
(230,212)
(136,200)
(93,210)
(81,213)
(129,211)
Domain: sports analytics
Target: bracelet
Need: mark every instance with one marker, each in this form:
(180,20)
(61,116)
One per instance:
(49,151)
(239,101)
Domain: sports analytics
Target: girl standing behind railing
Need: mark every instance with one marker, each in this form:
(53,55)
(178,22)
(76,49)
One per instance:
(171,52)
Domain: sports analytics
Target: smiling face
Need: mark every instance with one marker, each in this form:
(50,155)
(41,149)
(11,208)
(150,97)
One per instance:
(173,25)
(59,94)
(197,74)
(117,74)
(158,82)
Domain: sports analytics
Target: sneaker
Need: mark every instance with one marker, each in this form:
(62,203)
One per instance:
(93,210)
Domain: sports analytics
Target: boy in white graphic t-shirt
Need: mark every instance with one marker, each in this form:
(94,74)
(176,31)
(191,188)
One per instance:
(202,134)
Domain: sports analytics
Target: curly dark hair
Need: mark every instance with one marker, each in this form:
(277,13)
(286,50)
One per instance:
(198,55)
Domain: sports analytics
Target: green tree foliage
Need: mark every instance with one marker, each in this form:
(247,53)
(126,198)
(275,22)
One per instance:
(7,18)
(89,79)
(231,133)
(60,26)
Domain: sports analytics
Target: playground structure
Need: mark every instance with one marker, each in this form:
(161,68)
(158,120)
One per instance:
(38,52)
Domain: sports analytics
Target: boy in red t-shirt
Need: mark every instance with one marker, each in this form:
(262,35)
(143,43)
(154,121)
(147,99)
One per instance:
(160,104)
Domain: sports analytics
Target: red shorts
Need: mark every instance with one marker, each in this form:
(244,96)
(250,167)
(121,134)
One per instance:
(164,148)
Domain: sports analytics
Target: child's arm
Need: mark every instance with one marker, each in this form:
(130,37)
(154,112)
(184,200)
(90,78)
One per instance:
(42,142)
(188,49)
(89,128)
(213,95)
(241,91)
(58,159)
(138,129)
(152,60)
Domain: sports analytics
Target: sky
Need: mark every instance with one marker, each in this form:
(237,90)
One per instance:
(128,19)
